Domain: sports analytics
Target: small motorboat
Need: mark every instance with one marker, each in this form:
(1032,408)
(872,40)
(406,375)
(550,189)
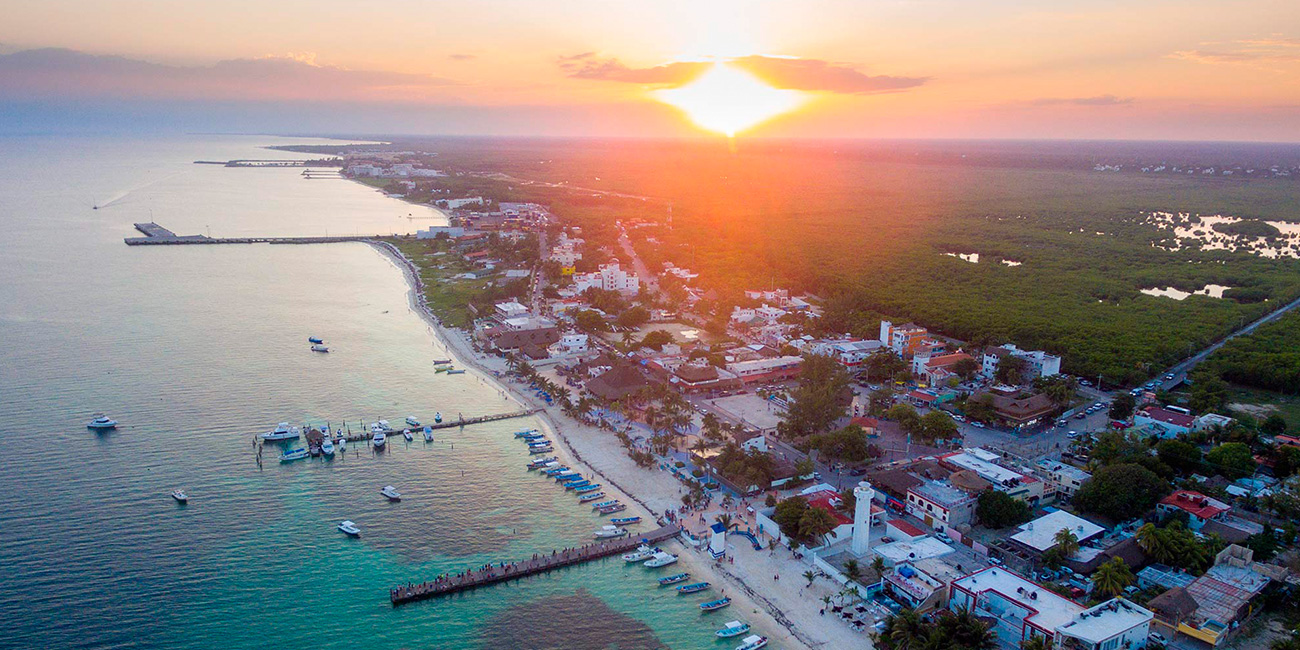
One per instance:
(350,528)
(590,496)
(753,642)
(381,425)
(625,521)
(437,417)
(525,433)
(714,605)
(317,347)
(378,440)
(455,371)
(605,504)
(102,423)
(428,434)
(391,492)
(576,483)
(180,496)
(732,628)
(552,472)
(540,442)
(293,454)
(673,579)
(327,447)
(609,510)
(641,554)
(693,587)
(609,532)
(542,463)
(282,431)
(661,559)
(407,434)
(541,450)
(531,436)
(410,419)
(587,488)
(441,362)
(315,339)
(566,475)
(342,443)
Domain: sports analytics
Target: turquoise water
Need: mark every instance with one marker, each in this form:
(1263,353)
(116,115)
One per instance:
(194,350)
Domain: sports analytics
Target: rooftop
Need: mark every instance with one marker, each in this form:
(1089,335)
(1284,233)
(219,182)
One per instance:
(1106,620)
(1051,610)
(1223,590)
(941,493)
(905,528)
(1068,471)
(1195,503)
(827,500)
(913,551)
(1169,417)
(1040,533)
(987,470)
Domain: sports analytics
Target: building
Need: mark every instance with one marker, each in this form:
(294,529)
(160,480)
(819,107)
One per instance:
(1037,362)
(984,463)
(610,278)
(1015,411)
(1039,535)
(1199,508)
(908,340)
(914,588)
(1211,420)
(849,352)
(433,231)
(1214,604)
(1062,480)
(1165,421)
(570,344)
(510,309)
(764,370)
(933,501)
(616,383)
(1021,609)
(936,370)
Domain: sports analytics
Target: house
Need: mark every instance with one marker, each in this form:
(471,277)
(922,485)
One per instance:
(1015,411)
(505,339)
(617,382)
(570,344)
(1037,363)
(908,340)
(1164,421)
(1020,609)
(1062,479)
(1199,508)
(1039,535)
(765,370)
(510,309)
(936,370)
(1214,604)
(934,501)
(609,278)
(1211,420)
(849,352)
(900,530)
(914,588)
(985,463)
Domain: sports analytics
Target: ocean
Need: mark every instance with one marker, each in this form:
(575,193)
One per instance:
(195,350)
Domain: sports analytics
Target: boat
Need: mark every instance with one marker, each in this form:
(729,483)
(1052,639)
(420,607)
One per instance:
(541,442)
(180,496)
(673,579)
(428,434)
(541,450)
(350,528)
(327,447)
(714,605)
(625,521)
(391,492)
(319,348)
(407,434)
(587,488)
(342,443)
(661,559)
(441,369)
(752,642)
(456,371)
(314,339)
(410,419)
(552,472)
(531,436)
(441,362)
(641,554)
(590,496)
(282,431)
(608,510)
(102,423)
(437,417)
(693,587)
(609,532)
(542,463)
(605,504)
(732,628)
(525,433)
(293,454)
(566,475)
(381,425)
(576,483)
(378,440)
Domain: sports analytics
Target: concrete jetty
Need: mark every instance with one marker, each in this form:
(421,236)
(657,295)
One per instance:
(156,235)
(539,563)
(450,424)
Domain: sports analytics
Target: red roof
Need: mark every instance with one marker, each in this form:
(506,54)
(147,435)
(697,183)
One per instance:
(1289,441)
(868,423)
(1195,503)
(905,528)
(947,359)
(1169,417)
(924,397)
(822,499)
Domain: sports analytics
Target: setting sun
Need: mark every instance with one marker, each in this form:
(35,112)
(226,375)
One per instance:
(726,99)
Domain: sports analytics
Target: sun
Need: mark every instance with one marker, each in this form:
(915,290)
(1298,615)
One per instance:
(728,100)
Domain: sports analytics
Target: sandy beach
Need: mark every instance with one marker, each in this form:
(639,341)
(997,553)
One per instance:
(790,608)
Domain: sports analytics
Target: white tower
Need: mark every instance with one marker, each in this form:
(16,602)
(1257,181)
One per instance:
(863,493)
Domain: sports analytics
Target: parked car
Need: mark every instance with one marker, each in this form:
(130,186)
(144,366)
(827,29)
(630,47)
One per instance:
(978,425)
(943,537)
(859,471)
(1169,377)
(1157,637)
(1080,415)
(1072,434)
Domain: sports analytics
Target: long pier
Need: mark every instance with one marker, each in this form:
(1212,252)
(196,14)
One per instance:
(459,422)
(539,563)
(156,235)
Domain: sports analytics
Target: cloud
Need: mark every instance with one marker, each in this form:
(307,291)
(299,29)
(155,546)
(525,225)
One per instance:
(782,72)
(1253,51)
(1098,100)
(61,73)
(462,57)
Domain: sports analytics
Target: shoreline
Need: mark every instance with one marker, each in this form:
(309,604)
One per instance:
(745,596)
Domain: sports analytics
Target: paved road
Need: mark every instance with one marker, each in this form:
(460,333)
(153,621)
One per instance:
(1180,370)
(648,279)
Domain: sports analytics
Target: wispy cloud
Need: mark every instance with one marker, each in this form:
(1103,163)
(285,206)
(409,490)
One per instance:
(462,57)
(782,72)
(1098,100)
(1248,52)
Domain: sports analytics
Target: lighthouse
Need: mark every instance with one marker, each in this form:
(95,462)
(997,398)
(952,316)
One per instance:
(863,493)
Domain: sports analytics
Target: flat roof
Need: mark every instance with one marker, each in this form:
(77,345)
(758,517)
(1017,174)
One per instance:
(985,468)
(1040,533)
(1051,610)
(905,528)
(1064,470)
(1106,620)
(940,493)
(917,549)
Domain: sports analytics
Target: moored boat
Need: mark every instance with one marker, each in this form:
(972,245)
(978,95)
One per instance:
(102,423)
(732,628)
(411,420)
(282,431)
(605,504)
(391,492)
(625,521)
(576,483)
(540,442)
(525,433)
(693,588)
(455,371)
(342,443)
(315,339)
(379,440)
(752,642)
(327,447)
(542,463)
(350,528)
(673,579)
(319,348)
(180,496)
(641,554)
(660,559)
(428,434)
(714,605)
(441,362)
(293,454)
(407,434)
(437,417)
(586,488)
(541,450)
(609,532)
(617,507)
(590,496)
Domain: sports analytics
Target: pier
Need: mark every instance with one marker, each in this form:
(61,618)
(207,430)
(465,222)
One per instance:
(539,563)
(452,424)
(156,235)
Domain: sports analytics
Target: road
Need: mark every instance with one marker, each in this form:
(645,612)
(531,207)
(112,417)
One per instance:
(648,279)
(1180,370)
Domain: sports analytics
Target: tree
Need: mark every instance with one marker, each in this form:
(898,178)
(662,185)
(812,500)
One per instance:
(1122,407)
(1112,577)
(1264,544)
(590,321)
(1121,491)
(1231,459)
(1011,370)
(883,365)
(817,402)
(634,317)
(1036,642)
(966,368)
(880,401)
(905,630)
(906,417)
(815,524)
(804,467)
(1208,393)
(1058,388)
(787,515)
(657,339)
(937,425)
(1273,425)
(996,509)
(1067,541)
(1181,455)
(980,408)
(809,576)
(847,444)
(852,570)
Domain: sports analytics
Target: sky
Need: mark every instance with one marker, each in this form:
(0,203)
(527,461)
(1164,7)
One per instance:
(1094,69)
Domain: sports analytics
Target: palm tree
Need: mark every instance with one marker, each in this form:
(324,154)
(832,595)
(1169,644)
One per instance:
(1036,642)
(809,576)
(1067,541)
(815,524)
(905,630)
(1151,541)
(878,565)
(727,522)
(965,630)
(852,570)
(1112,577)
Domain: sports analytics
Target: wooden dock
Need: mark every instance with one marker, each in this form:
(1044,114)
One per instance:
(539,563)
(156,235)
(450,424)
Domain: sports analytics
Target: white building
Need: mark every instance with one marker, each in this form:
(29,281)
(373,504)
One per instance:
(849,352)
(433,231)
(1040,534)
(1064,479)
(1040,364)
(511,309)
(610,278)
(570,344)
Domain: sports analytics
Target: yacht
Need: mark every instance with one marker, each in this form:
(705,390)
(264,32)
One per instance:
(293,454)
(407,434)
(410,419)
(350,528)
(102,423)
(317,347)
(660,559)
(391,492)
(733,628)
(609,532)
(716,604)
(378,440)
(327,447)
(180,496)
(437,417)
(315,339)
(641,554)
(753,642)
(282,431)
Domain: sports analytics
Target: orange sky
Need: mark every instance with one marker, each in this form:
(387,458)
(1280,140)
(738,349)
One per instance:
(1193,69)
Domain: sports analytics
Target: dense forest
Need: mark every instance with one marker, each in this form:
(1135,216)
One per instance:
(1268,358)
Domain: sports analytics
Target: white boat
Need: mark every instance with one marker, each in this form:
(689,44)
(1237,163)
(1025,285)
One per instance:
(378,440)
(641,554)
(327,447)
(753,642)
(660,559)
(317,347)
(441,362)
(180,496)
(282,431)
(350,528)
(437,417)
(102,423)
(342,443)
(733,628)
(610,531)
(391,492)
(382,425)
(428,434)
(456,371)
(407,434)
(410,419)
(293,454)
